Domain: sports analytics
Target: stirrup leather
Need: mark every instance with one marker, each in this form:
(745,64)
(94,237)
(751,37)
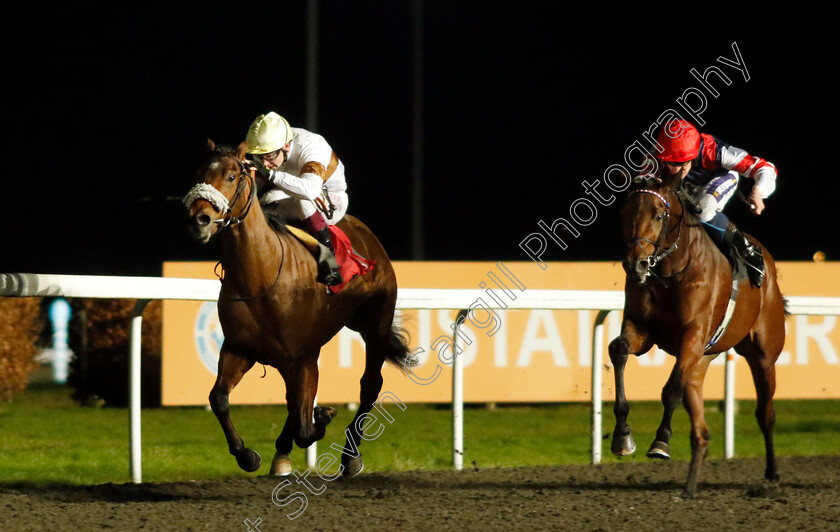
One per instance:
(750,254)
(753,259)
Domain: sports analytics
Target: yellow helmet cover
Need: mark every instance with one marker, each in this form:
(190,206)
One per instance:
(269,132)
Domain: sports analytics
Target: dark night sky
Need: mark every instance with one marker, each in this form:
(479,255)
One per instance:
(107,107)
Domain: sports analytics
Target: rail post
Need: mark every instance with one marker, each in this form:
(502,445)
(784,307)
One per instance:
(597,400)
(457,396)
(134,396)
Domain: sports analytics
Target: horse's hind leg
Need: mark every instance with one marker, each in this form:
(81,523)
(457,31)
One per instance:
(305,422)
(374,322)
(763,369)
(371,385)
(672,392)
(232,368)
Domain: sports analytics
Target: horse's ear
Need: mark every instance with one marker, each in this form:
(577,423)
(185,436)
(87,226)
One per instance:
(211,146)
(241,150)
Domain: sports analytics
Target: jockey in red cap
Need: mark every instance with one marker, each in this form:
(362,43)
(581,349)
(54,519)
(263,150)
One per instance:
(712,168)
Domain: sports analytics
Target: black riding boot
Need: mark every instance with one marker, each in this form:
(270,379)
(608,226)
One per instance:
(750,253)
(328,272)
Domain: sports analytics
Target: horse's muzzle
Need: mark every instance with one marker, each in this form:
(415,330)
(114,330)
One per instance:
(637,269)
(201,226)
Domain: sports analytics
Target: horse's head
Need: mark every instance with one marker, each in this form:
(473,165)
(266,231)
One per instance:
(645,223)
(223,193)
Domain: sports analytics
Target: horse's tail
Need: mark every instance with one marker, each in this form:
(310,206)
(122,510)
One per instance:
(399,354)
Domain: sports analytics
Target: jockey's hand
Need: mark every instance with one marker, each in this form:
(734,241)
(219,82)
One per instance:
(260,171)
(756,201)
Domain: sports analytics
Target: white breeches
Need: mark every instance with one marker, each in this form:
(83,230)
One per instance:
(713,196)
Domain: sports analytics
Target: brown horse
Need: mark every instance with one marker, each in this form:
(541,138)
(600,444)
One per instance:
(274,312)
(677,292)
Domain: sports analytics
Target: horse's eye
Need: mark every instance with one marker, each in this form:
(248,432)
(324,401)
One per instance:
(660,216)
(231,177)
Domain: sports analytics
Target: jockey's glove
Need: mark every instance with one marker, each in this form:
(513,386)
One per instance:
(259,170)
(263,173)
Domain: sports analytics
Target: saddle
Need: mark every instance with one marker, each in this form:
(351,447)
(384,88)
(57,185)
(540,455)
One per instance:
(350,263)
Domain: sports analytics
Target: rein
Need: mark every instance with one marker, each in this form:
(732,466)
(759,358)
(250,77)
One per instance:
(225,206)
(270,288)
(235,220)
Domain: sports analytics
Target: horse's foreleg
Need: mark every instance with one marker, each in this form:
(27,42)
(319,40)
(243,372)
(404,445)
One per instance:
(622,439)
(693,402)
(232,368)
(281,465)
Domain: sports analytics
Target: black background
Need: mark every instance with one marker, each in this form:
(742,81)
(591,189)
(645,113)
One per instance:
(107,107)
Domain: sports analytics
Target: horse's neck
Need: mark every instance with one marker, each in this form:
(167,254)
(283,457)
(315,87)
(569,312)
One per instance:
(678,235)
(695,247)
(252,253)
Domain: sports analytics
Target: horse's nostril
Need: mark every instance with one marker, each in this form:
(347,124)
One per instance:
(202,220)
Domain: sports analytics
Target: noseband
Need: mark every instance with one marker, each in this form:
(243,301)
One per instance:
(658,253)
(220,202)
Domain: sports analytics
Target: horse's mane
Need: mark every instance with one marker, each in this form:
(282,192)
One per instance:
(675,188)
(647,182)
(224,150)
(274,217)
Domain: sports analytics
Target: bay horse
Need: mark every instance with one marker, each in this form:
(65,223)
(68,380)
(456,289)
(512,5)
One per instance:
(678,288)
(274,312)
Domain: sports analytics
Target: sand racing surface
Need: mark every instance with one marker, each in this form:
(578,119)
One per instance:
(642,495)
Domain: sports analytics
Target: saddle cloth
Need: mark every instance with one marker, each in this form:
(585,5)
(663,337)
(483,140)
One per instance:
(350,263)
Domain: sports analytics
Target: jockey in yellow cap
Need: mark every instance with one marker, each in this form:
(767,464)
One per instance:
(303,173)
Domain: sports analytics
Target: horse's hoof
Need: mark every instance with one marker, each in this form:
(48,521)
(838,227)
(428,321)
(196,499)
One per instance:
(659,449)
(324,414)
(352,466)
(772,476)
(281,466)
(623,445)
(249,460)
(686,495)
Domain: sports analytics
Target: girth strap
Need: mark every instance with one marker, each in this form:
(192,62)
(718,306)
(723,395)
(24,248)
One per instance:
(730,310)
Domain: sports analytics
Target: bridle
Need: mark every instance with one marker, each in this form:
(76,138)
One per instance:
(211,194)
(658,252)
(235,220)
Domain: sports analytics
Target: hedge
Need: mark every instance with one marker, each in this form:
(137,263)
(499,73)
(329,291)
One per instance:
(21,323)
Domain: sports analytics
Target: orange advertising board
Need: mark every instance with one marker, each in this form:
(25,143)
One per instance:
(531,355)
